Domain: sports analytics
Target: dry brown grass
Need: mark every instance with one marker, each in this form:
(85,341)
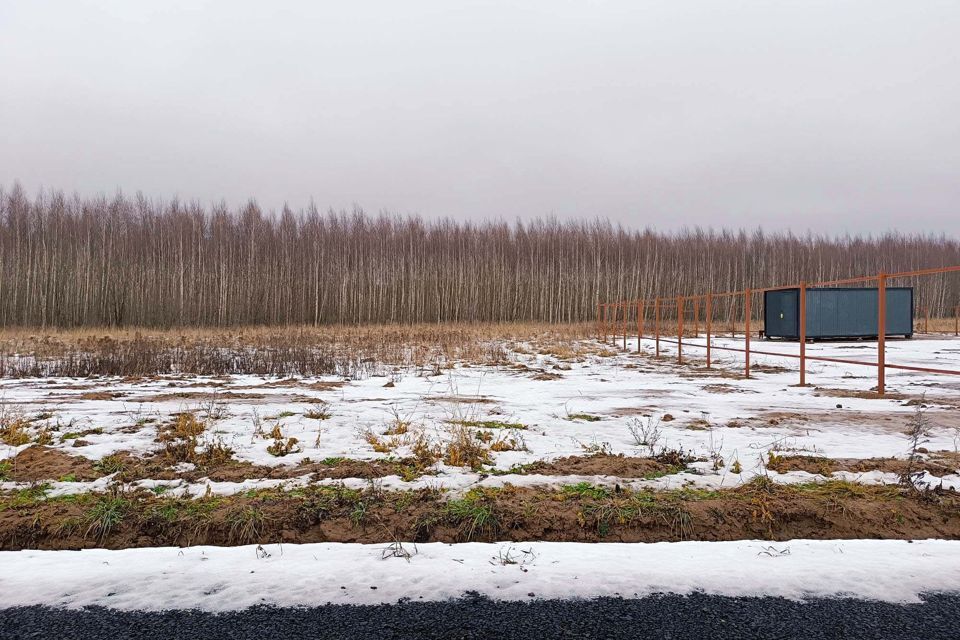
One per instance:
(465,449)
(294,350)
(182,442)
(14,425)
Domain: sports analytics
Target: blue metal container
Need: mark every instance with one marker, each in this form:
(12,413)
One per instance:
(837,312)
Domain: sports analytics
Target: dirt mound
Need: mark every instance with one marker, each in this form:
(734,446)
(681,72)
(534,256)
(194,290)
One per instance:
(602,465)
(586,513)
(44,463)
(936,465)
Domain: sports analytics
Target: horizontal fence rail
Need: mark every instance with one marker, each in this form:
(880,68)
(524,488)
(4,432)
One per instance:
(613,322)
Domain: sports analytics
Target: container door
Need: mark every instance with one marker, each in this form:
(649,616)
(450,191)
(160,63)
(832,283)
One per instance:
(780,318)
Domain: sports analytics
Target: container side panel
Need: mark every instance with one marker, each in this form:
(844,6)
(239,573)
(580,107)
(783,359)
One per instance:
(899,311)
(852,312)
(858,312)
(826,310)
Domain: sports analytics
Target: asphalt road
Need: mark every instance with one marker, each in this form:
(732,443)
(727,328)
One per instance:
(662,617)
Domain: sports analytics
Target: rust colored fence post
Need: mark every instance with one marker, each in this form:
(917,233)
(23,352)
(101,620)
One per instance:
(679,329)
(615,309)
(640,310)
(656,324)
(609,323)
(616,317)
(626,311)
(956,321)
(746,353)
(709,313)
(603,322)
(926,319)
(881,333)
(803,333)
(696,317)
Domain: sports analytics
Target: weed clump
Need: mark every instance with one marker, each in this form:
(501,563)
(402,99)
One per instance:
(247,524)
(105,514)
(109,465)
(491,424)
(465,450)
(14,426)
(282,446)
(182,439)
(319,411)
(475,513)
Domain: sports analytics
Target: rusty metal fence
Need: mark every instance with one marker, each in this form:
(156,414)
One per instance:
(617,319)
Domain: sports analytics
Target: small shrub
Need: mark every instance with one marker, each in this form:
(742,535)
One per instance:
(918,434)
(645,433)
(319,411)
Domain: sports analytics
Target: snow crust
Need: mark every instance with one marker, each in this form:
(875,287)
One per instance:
(234,578)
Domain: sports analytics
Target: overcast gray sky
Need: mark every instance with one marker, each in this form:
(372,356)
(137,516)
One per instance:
(833,116)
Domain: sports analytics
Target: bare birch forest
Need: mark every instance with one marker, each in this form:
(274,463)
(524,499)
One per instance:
(73,262)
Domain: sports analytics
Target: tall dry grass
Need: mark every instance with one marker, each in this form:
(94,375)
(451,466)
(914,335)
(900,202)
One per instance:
(281,351)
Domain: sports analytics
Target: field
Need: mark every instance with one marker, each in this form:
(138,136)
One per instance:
(522,444)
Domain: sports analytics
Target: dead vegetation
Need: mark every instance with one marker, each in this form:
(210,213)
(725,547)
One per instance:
(273,351)
(182,442)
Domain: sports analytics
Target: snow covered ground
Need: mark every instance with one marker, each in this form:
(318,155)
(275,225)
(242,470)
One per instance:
(234,578)
(564,405)
(574,403)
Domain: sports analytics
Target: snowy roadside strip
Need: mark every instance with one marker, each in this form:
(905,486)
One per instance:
(235,578)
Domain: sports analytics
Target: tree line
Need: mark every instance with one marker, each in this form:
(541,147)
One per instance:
(67,261)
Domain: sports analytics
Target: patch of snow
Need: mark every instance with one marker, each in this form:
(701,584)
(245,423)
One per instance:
(234,578)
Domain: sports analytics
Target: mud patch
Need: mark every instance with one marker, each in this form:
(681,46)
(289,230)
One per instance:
(101,395)
(857,393)
(602,465)
(37,463)
(547,375)
(461,399)
(936,465)
(723,387)
(769,368)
